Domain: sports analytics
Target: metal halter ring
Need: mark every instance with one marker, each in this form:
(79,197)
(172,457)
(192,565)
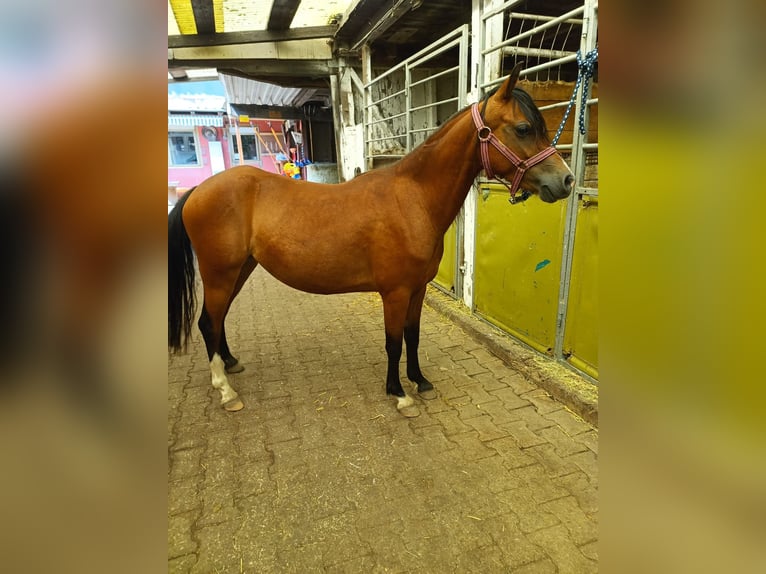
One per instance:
(484,138)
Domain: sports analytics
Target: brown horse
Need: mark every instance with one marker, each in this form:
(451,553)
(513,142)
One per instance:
(382,231)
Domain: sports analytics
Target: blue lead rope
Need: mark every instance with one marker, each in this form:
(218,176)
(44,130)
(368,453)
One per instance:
(586,66)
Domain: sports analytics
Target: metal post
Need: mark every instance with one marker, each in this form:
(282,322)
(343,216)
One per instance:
(407,108)
(464,95)
(336,120)
(367,94)
(587,43)
(467,250)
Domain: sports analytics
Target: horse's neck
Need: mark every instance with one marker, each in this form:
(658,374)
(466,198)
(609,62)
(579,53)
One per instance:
(445,170)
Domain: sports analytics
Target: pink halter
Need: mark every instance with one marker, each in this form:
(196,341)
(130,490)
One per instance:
(486,136)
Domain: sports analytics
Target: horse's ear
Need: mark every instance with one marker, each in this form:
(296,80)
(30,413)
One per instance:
(506,90)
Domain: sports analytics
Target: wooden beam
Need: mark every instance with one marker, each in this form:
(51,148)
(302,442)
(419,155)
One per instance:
(204,16)
(366,20)
(250,37)
(263,69)
(382,21)
(282,14)
(317,49)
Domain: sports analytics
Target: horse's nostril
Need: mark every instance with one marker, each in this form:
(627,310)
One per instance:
(568,181)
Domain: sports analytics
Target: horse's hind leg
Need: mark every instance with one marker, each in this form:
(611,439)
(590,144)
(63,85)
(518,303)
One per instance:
(395,307)
(412,339)
(220,287)
(210,325)
(229,360)
(231,363)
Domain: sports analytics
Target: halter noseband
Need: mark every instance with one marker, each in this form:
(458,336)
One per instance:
(486,136)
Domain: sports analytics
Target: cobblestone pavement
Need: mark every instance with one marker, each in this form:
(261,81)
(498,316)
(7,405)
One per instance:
(319,473)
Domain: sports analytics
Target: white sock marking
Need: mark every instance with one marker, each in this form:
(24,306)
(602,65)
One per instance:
(403,402)
(220,380)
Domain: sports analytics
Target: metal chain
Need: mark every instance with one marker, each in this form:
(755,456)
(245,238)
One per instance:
(586,66)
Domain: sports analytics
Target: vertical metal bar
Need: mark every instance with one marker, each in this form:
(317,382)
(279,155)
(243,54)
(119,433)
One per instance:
(336,118)
(462,74)
(407,108)
(587,43)
(477,60)
(468,243)
(463,94)
(492,34)
(367,111)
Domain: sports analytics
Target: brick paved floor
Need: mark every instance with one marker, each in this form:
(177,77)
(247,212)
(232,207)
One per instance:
(319,473)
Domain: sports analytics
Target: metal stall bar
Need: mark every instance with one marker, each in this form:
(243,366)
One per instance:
(437,75)
(385,138)
(408,106)
(413,63)
(534,52)
(391,117)
(538,18)
(463,92)
(533,70)
(590,102)
(533,31)
(434,104)
(385,98)
(500,9)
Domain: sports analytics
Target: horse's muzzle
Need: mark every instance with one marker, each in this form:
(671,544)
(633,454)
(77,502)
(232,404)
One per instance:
(552,193)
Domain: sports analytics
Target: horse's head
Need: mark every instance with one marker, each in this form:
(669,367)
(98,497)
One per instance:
(510,119)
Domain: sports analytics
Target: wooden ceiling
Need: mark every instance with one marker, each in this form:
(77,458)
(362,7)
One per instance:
(213,32)
(295,42)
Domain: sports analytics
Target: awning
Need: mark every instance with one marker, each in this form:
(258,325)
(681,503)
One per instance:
(251,92)
(190,120)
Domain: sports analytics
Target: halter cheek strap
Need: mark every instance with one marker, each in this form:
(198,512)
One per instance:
(486,137)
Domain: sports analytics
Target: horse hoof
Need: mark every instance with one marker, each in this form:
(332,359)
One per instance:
(410,412)
(235,368)
(407,407)
(428,394)
(234,405)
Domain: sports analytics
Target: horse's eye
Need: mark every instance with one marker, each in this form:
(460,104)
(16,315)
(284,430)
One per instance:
(523,130)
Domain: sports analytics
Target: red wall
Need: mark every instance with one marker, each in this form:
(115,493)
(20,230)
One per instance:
(194,175)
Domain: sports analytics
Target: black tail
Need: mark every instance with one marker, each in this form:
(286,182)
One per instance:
(182,299)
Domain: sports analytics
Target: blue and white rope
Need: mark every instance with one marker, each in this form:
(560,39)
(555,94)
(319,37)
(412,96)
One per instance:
(586,67)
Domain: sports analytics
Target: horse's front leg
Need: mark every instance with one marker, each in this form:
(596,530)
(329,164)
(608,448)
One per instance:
(395,307)
(412,339)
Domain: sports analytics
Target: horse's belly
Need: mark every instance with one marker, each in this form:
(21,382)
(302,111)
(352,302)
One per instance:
(320,274)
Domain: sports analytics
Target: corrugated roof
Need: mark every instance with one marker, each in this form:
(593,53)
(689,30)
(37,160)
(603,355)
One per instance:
(244,91)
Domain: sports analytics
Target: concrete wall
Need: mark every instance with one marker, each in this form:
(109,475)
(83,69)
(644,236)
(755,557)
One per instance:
(322,172)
